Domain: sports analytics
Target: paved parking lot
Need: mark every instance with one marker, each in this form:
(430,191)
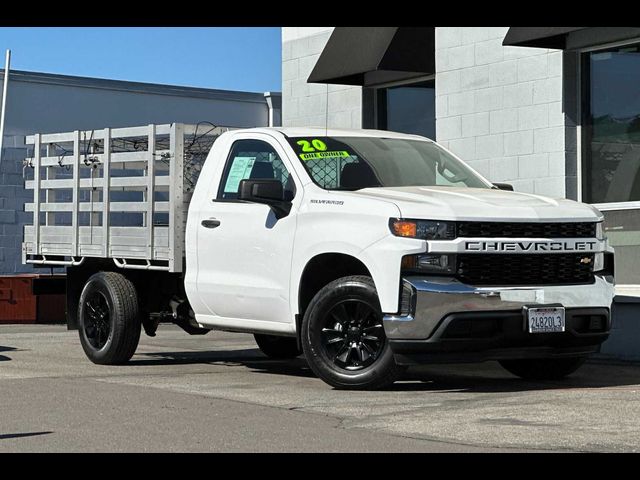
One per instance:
(219,393)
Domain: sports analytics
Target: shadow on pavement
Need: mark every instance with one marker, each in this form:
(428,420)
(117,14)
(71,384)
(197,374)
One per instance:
(6,349)
(250,358)
(6,436)
(487,377)
(491,378)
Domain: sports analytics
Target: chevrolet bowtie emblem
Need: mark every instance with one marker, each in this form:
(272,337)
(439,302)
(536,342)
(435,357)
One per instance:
(585,260)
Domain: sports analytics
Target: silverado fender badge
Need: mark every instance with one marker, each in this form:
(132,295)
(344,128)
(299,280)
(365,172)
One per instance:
(328,202)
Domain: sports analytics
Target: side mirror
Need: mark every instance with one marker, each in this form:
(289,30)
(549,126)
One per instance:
(268,192)
(503,186)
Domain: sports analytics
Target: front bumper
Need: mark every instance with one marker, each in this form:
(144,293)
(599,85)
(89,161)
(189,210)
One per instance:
(453,322)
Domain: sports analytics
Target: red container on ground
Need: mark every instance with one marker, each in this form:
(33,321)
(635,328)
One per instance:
(19,304)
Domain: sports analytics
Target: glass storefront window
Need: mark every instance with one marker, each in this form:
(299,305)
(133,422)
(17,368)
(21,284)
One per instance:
(612,126)
(611,149)
(408,109)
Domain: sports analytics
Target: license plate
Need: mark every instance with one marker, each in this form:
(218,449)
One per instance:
(546,320)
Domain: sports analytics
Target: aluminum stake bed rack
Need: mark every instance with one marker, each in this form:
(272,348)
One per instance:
(118,193)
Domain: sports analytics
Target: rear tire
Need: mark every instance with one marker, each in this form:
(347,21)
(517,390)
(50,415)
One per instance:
(543,368)
(109,319)
(343,338)
(279,348)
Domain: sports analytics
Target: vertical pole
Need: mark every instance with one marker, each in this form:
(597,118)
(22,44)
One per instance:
(95,215)
(49,174)
(151,182)
(106,178)
(4,100)
(36,194)
(176,205)
(76,190)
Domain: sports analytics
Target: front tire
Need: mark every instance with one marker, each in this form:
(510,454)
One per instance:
(543,368)
(278,348)
(109,319)
(343,337)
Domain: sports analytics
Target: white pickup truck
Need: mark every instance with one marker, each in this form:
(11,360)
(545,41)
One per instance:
(364,250)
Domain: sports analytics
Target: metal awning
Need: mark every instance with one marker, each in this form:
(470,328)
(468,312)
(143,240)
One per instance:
(543,37)
(373,55)
(568,38)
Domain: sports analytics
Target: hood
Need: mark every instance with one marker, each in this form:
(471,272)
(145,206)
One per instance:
(456,203)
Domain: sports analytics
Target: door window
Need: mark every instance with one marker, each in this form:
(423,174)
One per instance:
(255,160)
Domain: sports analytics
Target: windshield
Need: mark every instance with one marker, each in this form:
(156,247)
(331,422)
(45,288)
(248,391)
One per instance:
(352,163)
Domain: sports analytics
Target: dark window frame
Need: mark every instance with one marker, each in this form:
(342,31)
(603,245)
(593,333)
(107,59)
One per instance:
(586,132)
(227,167)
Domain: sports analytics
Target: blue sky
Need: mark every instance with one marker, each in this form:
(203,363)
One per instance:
(231,58)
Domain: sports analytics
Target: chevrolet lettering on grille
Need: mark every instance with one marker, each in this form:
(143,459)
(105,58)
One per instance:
(534,246)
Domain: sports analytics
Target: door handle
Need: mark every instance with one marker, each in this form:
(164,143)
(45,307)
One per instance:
(211,223)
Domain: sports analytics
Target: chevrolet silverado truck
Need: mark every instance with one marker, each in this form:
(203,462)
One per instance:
(365,251)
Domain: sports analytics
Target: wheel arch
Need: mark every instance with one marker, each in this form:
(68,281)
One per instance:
(321,270)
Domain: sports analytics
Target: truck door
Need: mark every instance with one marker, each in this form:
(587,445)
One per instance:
(244,251)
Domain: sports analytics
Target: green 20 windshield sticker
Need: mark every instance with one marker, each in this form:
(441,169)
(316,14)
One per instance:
(314,145)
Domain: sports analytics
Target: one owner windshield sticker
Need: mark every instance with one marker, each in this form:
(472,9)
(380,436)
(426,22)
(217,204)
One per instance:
(320,155)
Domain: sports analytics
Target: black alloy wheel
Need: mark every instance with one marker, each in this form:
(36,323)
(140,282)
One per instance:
(109,319)
(97,320)
(353,335)
(343,336)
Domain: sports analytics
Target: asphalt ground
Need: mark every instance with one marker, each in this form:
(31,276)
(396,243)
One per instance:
(219,393)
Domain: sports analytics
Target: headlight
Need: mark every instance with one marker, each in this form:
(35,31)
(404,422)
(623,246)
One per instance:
(604,263)
(600,230)
(430,263)
(423,229)
(598,262)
